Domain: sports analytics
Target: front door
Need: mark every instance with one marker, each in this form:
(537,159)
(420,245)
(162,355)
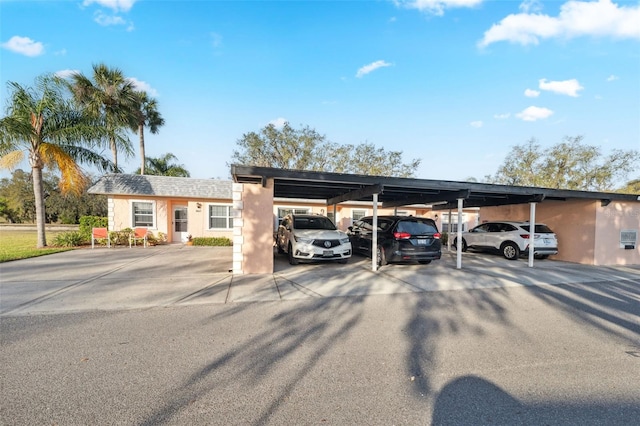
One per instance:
(179,224)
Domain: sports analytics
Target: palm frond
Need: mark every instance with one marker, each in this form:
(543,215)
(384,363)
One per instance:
(73,179)
(11,159)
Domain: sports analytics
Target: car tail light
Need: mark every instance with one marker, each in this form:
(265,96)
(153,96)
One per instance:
(401,235)
(437,235)
(525,236)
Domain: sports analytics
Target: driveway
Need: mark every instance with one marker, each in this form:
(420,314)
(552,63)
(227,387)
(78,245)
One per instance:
(122,278)
(514,350)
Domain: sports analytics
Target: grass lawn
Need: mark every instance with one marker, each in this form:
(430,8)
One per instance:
(21,244)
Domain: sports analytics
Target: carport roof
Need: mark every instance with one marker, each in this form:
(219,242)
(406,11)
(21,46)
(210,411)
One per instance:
(393,192)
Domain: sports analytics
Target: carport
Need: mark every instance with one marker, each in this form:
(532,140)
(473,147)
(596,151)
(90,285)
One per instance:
(255,185)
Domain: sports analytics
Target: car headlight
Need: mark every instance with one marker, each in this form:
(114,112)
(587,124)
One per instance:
(303,240)
(344,240)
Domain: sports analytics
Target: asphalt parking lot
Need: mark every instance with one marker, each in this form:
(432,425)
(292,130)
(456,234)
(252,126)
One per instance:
(175,275)
(166,335)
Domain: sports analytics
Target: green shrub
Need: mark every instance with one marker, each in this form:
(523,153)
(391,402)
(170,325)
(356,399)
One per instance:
(212,241)
(69,239)
(120,237)
(89,222)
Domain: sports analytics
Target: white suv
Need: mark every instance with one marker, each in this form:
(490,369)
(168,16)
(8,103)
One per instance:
(511,239)
(312,237)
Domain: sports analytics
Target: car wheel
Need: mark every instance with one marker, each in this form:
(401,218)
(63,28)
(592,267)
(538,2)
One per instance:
(280,250)
(381,256)
(464,244)
(424,262)
(510,251)
(292,260)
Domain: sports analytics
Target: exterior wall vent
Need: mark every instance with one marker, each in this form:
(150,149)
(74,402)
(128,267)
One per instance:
(628,239)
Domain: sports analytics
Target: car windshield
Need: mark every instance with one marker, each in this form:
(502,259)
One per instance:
(540,229)
(319,222)
(415,227)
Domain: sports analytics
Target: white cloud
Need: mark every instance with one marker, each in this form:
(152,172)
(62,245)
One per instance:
(436,7)
(61,52)
(371,67)
(115,5)
(279,122)
(529,6)
(600,18)
(613,78)
(534,113)
(476,124)
(24,46)
(502,116)
(143,86)
(66,73)
(108,20)
(566,87)
(530,93)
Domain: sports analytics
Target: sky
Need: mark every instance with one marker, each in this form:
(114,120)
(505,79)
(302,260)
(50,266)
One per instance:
(455,83)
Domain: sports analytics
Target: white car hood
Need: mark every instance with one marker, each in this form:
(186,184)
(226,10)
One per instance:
(320,234)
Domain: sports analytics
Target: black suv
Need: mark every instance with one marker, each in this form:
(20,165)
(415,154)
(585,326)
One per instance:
(400,239)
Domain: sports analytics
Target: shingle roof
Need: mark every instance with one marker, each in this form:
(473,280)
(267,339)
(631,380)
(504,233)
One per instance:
(161,186)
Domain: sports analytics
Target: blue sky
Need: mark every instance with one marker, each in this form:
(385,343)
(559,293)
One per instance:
(455,83)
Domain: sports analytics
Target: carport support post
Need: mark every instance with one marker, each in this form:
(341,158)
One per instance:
(532,231)
(374,243)
(459,245)
(449,233)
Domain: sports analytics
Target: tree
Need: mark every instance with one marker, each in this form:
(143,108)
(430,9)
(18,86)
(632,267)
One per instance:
(18,193)
(146,114)
(110,97)
(632,187)
(567,165)
(45,125)
(306,149)
(163,166)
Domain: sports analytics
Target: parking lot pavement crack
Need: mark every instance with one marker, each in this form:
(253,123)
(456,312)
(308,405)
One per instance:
(199,291)
(71,286)
(296,285)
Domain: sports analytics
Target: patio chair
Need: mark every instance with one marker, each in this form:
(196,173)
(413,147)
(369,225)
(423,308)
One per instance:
(138,234)
(100,234)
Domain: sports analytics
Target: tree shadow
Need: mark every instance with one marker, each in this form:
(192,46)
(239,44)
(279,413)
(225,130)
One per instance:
(316,326)
(472,400)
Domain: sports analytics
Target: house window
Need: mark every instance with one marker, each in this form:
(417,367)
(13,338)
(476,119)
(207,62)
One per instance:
(143,214)
(453,226)
(282,212)
(357,215)
(220,216)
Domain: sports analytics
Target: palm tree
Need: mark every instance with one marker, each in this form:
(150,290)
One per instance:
(146,115)
(112,97)
(44,125)
(162,166)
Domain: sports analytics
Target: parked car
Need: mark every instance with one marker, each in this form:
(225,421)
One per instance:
(511,239)
(400,238)
(312,237)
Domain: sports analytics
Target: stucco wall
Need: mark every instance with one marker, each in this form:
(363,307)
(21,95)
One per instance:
(120,215)
(574,223)
(253,223)
(612,219)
